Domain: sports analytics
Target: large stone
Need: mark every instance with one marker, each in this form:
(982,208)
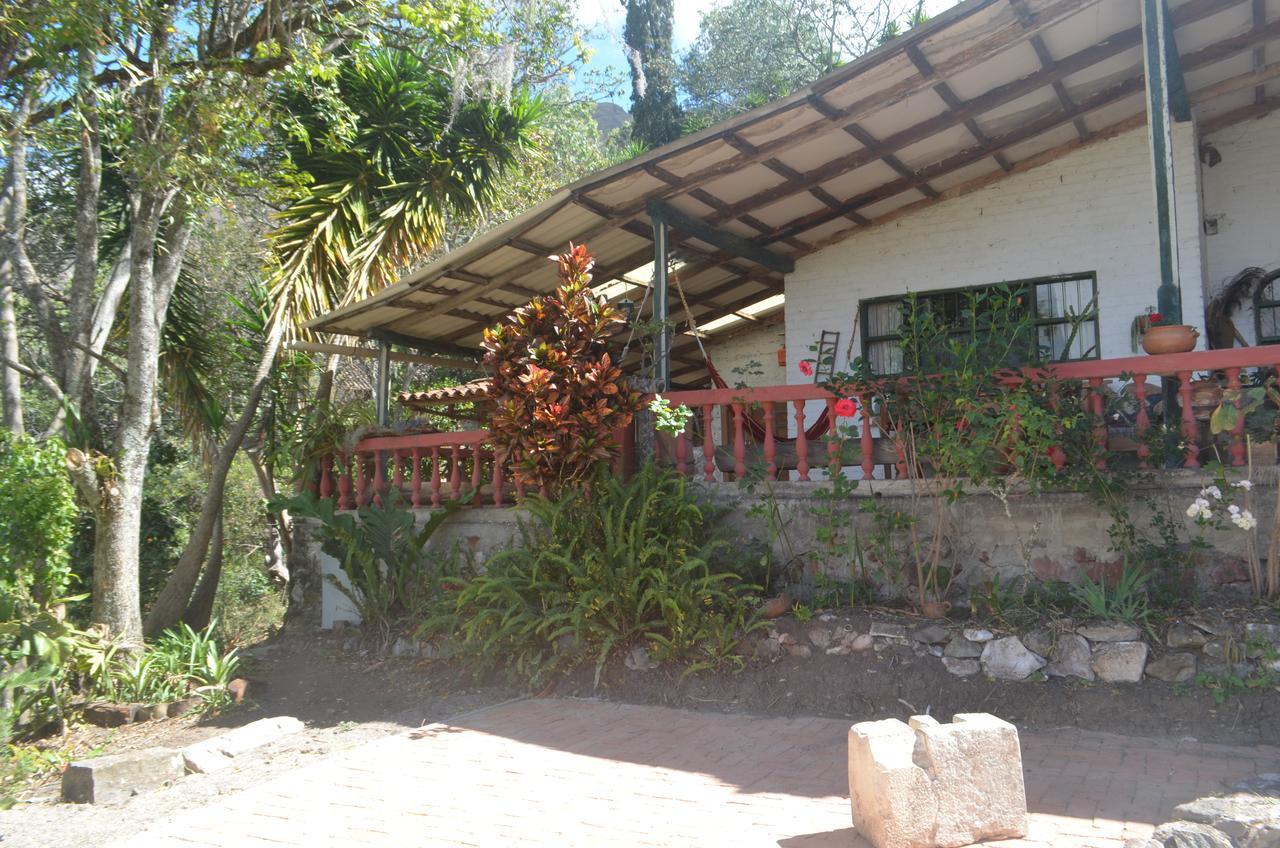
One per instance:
(1189,835)
(889,630)
(820,636)
(119,777)
(978,634)
(962,648)
(1071,657)
(931,785)
(1009,659)
(1214,625)
(1185,636)
(1120,662)
(861,642)
(931,634)
(961,667)
(1109,631)
(1039,641)
(108,715)
(1177,667)
(221,751)
(1269,633)
(1247,818)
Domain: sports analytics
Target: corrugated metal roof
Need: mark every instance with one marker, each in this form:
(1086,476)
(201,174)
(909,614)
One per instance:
(988,88)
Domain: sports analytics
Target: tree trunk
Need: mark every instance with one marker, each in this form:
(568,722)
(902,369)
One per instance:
(14,265)
(200,611)
(173,598)
(11,390)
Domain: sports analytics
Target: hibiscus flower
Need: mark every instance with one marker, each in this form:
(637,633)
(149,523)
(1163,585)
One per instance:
(845,408)
(806,367)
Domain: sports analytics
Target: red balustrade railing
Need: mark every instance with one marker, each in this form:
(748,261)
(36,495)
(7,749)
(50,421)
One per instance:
(429,469)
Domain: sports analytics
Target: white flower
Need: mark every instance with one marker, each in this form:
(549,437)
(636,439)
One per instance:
(1199,510)
(1213,491)
(1234,510)
(1242,484)
(1245,520)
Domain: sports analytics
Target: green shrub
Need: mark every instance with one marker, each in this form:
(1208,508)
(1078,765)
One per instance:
(631,563)
(39,509)
(1125,601)
(180,661)
(382,551)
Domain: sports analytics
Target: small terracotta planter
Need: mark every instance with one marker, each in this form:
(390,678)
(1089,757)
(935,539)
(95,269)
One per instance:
(1170,338)
(935,609)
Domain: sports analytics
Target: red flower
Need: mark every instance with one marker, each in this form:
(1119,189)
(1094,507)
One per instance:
(962,424)
(806,367)
(845,408)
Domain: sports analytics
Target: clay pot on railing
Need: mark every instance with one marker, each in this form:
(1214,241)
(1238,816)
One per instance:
(1170,338)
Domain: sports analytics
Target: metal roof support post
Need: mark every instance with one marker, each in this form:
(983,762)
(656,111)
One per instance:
(1165,93)
(662,352)
(382,388)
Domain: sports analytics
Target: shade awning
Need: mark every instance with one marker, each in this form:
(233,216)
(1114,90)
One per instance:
(989,88)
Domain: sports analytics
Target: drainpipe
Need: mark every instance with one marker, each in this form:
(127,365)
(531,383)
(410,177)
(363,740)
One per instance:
(1165,88)
(662,355)
(381,391)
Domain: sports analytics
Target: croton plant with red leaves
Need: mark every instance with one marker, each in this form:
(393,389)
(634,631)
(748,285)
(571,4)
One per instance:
(558,388)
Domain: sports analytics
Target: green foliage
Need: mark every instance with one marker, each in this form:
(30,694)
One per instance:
(382,551)
(558,389)
(39,509)
(1125,601)
(182,660)
(655,111)
(632,563)
(669,419)
(21,765)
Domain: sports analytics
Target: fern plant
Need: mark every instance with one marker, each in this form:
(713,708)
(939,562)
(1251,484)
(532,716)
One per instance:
(632,563)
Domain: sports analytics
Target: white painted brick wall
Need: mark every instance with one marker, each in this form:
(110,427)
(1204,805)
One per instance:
(1243,193)
(1092,210)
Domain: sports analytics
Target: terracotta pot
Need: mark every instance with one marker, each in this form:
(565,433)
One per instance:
(775,607)
(1170,338)
(935,609)
(782,357)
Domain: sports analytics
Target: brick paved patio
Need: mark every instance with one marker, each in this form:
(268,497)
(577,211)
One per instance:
(559,773)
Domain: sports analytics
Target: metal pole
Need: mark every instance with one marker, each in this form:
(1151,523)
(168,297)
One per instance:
(662,355)
(382,391)
(1156,49)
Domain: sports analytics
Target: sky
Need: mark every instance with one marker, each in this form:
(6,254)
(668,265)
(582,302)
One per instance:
(606,18)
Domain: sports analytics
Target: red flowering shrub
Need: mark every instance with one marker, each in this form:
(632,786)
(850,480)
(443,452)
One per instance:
(559,392)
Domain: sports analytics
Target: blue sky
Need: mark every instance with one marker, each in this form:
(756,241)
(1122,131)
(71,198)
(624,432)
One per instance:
(606,19)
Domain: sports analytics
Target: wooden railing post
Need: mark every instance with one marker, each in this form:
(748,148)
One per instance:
(1237,432)
(1140,422)
(708,444)
(739,443)
(802,442)
(866,442)
(770,450)
(1190,432)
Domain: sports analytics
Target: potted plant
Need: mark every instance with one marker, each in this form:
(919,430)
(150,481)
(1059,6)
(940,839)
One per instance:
(1160,335)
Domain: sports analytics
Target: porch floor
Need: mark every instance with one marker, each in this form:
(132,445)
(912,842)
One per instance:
(556,772)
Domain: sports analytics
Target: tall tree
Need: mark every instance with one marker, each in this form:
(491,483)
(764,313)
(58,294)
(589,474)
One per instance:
(655,112)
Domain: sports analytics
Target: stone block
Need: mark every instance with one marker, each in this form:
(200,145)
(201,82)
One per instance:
(1120,662)
(1177,667)
(889,630)
(961,667)
(221,751)
(119,777)
(1109,631)
(1189,835)
(1185,636)
(962,648)
(931,785)
(1009,659)
(931,634)
(1071,657)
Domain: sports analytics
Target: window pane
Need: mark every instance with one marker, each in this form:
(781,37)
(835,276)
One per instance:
(1053,341)
(885,357)
(1063,297)
(1268,322)
(884,319)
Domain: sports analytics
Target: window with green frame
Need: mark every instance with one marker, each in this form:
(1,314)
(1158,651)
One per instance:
(1266,310)
(1056,304)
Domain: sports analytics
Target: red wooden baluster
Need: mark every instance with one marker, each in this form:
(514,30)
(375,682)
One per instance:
(415,478)
(834,446)
(435,477)
(1237,432)
(708,445)
(802,442)
(455,473)
(361,483)
(326,478)
(739,443)
(519,488)
(344,482)
(1141,424)
(682,452)
(398,458)
(1190,432)
(379,478)
(770,450)
(475,473)
(1098,409)
(498,462)
(867,443)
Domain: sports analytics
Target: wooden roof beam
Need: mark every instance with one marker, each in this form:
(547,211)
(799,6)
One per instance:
(954,103)
(1113,46)
(1047,62)
(731,243)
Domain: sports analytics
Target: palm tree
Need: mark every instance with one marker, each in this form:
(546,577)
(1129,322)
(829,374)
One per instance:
(386,155)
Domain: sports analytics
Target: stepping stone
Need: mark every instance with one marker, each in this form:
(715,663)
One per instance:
(119,777)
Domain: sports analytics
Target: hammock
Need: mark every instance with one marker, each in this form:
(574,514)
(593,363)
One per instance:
(816,430)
